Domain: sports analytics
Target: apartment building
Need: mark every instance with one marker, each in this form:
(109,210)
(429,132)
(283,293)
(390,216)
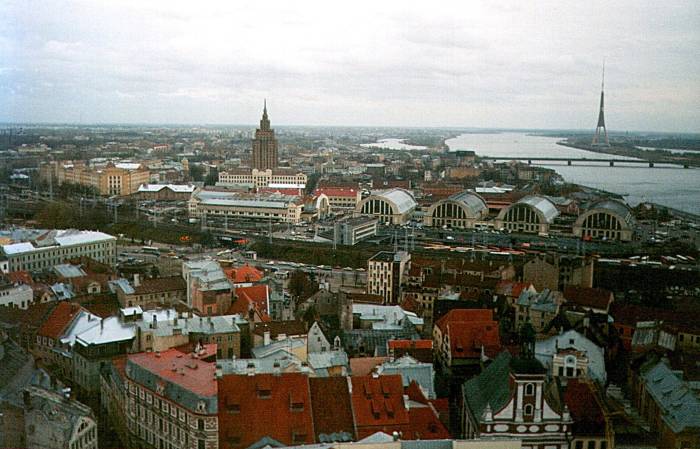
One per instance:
(385,271)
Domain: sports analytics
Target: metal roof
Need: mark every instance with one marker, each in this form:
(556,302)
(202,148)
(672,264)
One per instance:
(543,205)
(473,202)
(174,187)
(615,207)
(680,408)
(402,199)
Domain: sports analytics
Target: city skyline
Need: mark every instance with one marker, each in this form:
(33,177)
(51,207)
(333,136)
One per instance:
(476,65)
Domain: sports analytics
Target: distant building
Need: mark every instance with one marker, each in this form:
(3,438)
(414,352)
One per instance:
(460,211)
(465,338)
(15,294)
(54,247)
(263,178)
(265,145)
(557,271)
(150,293)
(537,308)
(209,290)
(572,355)
(607,220)
(164,192)
(385,272)
(121,178)
(217,204)
(352,230)
(393,206)
(341,198)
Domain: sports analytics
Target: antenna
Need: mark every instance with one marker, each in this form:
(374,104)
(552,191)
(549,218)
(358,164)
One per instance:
(602,84)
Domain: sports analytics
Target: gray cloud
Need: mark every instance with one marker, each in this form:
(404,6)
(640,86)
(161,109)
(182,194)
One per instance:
(488,64)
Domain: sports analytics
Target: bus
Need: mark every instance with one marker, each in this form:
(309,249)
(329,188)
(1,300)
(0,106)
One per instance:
(150,250)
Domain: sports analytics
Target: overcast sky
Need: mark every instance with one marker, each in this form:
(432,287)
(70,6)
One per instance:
(431,63)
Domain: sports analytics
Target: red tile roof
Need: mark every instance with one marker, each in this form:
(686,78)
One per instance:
(169,365)
(264,405)
(455,315)
(244,274)
(378,405)
(256,295)
(59,319)
(363,366)
(336,191)
(21,277)
(330,401)
(406,344)
(596,298)
(511,288)
(468,337)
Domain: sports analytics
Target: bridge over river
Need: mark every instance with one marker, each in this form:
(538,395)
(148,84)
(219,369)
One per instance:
(571,160)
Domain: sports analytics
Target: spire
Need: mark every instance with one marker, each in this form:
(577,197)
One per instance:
(265,121)
(601,131)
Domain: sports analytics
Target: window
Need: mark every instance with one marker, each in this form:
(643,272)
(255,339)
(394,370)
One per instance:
(591,444)
(200,424)
(579,445)
(200,444)
(529,389)
(528,410)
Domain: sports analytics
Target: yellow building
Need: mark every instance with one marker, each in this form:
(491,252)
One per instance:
(111,179)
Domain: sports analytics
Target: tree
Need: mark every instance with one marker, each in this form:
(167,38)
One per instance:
(300,286)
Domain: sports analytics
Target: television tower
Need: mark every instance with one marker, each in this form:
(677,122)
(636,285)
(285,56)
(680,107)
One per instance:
(601,128)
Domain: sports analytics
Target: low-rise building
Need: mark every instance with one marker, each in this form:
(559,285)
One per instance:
(460,211)
(572,355)
(209,290)
(537,308)
(352,230)
(121,178)
(465,338)
(557,271)
(150,293)
(56,246)
(531,214)
(607,220)
(393,206)
(341,198)
(223,204)
(262,178)
(15,294)
(164,192)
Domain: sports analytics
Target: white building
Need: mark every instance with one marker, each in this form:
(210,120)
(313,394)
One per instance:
(55,246)
(571,355)
(15,294)
(262,178)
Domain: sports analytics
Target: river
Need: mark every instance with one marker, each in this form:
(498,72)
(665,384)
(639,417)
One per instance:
(668,185)
(394,144)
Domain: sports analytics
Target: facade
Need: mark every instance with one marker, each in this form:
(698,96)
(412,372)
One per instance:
(15,294)
(171,400)
(509,399)
(150,293)
(669,404)
(220,204)
(352,230)
(265,145)
(572,355)
(341,198)
(263,178)
(460,211)
(55,246)
(556,271)
(394,206)
(112,179)
(606,220)
(164,192)
(209,290)
(531,214)
(47,419)
(385,271)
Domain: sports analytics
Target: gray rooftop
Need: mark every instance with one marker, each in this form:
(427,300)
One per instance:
(680,408)
(542,204)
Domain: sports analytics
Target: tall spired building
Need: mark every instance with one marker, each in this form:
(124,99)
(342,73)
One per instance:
(601,131)
(264,144)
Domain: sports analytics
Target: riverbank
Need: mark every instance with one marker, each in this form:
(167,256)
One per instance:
(665,158)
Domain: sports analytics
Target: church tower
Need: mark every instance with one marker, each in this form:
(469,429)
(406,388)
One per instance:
(264,144)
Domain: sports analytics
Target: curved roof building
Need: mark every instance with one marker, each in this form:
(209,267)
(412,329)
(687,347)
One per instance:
(393,206)
(461,210)
(607,219)
(531,214)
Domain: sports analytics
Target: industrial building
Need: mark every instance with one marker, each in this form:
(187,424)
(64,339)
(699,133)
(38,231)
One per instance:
(461,211)
(607,219)
(393,206)
(531,214)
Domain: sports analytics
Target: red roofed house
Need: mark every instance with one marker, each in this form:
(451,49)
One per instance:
(171,400)
(597,300)
(244,276)
(378,405)
(51,330)
(252,302)
(463,338)
(252,407)
(511,290)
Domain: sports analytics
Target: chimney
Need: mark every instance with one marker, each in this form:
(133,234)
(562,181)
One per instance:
(137,280)
(266,338)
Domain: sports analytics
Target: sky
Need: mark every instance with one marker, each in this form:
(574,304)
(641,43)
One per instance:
(501,64)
